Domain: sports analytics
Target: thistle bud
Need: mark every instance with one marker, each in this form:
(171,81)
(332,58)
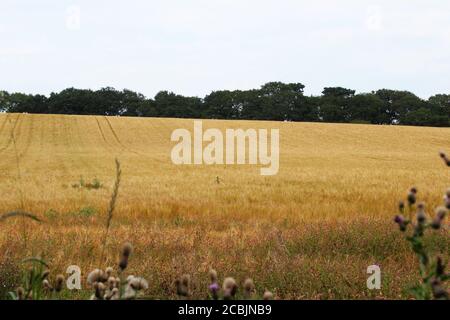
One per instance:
(421,215)
(438,291)
(447,199)
(401,206)
(440,268)
(400,220)
(412,196)
(125,255)
(441,212)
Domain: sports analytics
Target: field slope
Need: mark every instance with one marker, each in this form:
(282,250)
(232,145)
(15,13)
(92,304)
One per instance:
(308,232)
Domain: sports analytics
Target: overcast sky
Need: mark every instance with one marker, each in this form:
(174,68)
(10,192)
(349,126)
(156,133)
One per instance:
(192,47)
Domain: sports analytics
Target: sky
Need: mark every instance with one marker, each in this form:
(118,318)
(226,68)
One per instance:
(194,47)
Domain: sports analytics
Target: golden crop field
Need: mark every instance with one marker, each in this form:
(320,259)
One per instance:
(310,231)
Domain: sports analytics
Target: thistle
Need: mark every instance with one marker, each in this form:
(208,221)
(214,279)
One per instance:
(214,287)
(125,255)
(59,283)
(431,270)
(249,288)
(229,288)
(268,295)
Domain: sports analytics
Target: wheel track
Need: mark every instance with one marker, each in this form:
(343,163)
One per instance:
(4,123)
(55,154)
(82,145)
(107,143)
(117,138)
(10,140)
(30,129)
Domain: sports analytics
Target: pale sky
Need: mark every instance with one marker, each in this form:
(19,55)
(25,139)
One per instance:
(192,47)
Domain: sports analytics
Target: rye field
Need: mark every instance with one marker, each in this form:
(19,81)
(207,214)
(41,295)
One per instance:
(309,232)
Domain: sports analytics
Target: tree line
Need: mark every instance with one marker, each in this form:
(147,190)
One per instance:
(272,101)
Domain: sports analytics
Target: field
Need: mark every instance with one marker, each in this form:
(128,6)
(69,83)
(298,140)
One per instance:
(309,232)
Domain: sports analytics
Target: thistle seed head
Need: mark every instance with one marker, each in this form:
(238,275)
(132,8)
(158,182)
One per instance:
(267,295)
(182,290)
(138,284)
(127,249)
(111,283)
(95,276)
(438,291)
(125,255)
(249,287)
(109,271)
(230,286)
(99,290)
(213,275)
(186,280)
(59,283)
(123,263)
(115,294)
(46,285)
(20,293)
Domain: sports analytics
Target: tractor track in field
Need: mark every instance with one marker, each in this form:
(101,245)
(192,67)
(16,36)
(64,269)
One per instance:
(107,143)
(82,144)
(4,123)
(10,140)
(55,154)
(30,129)
(117,137)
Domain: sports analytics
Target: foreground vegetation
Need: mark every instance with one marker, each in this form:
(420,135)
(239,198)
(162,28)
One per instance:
(309,232)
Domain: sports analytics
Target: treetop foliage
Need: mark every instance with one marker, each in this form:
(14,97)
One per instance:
(273,101)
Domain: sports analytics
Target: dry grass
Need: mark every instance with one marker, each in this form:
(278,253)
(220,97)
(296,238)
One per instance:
(308,232)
